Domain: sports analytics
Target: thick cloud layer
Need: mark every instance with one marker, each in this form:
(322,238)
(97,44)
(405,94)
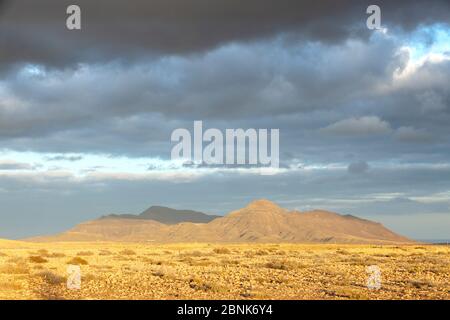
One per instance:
(331,101)
(35,31)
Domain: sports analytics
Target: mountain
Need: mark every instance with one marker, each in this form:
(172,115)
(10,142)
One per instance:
(4,244)
(166,215)
(260,221)
(263,220)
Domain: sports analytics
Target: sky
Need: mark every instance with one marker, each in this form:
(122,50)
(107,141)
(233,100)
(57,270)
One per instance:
(86,115)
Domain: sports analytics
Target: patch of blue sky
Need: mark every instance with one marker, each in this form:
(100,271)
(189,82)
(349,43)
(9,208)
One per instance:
(432,39)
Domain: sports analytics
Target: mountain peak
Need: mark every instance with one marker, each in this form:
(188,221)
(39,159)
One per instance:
(263,204)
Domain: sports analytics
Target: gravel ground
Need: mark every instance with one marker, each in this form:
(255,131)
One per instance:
(223,271)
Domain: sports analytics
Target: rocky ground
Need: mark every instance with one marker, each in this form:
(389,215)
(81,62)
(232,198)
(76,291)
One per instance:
(219,271)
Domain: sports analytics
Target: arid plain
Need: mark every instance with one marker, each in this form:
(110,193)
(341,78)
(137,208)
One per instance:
(222,271)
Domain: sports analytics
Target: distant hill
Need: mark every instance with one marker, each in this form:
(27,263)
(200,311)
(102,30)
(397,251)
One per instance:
(12,243)
(166,215)
(260,221)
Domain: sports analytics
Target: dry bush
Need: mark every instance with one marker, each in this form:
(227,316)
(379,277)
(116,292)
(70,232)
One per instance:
(282,265)
(158,262)
(203,285)
(440,269)
(77,261)
(3,254)
(195,253)
(249,254)
(105,253)
(102,267)
(10,285)
(163,271)
(37,259)
(361,260)
(201,262)
(261,252)
(279,265)
(347,293)
(418,284)
(229,261)
(222,250)
(15,269)
(124,258)
(85,253)
(342,251)
(247,292)
(158,273)
(89,277)
(51,277)
(46,254)
(281,280)
(56,255)
(127,252)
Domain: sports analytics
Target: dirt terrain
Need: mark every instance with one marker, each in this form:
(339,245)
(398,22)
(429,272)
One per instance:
(219,271)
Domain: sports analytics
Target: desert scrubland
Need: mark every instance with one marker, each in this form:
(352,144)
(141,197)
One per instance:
(222,271)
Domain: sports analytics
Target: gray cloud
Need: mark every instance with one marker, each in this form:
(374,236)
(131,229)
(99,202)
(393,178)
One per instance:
(412,135)
(358,167)
(64,158)
(135,109)
(403,206)
(35,31)
(13,165)
(369,125)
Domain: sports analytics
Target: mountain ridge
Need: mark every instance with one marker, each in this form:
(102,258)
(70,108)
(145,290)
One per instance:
(260,221)
(166,215)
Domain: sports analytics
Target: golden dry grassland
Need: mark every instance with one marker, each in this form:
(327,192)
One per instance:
(223,271)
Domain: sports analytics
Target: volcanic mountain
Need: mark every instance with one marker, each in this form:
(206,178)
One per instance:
(260,221)
(166,215)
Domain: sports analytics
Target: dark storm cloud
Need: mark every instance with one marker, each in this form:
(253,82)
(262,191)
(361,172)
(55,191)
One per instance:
(3,5)
(35,32)
(235,82)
